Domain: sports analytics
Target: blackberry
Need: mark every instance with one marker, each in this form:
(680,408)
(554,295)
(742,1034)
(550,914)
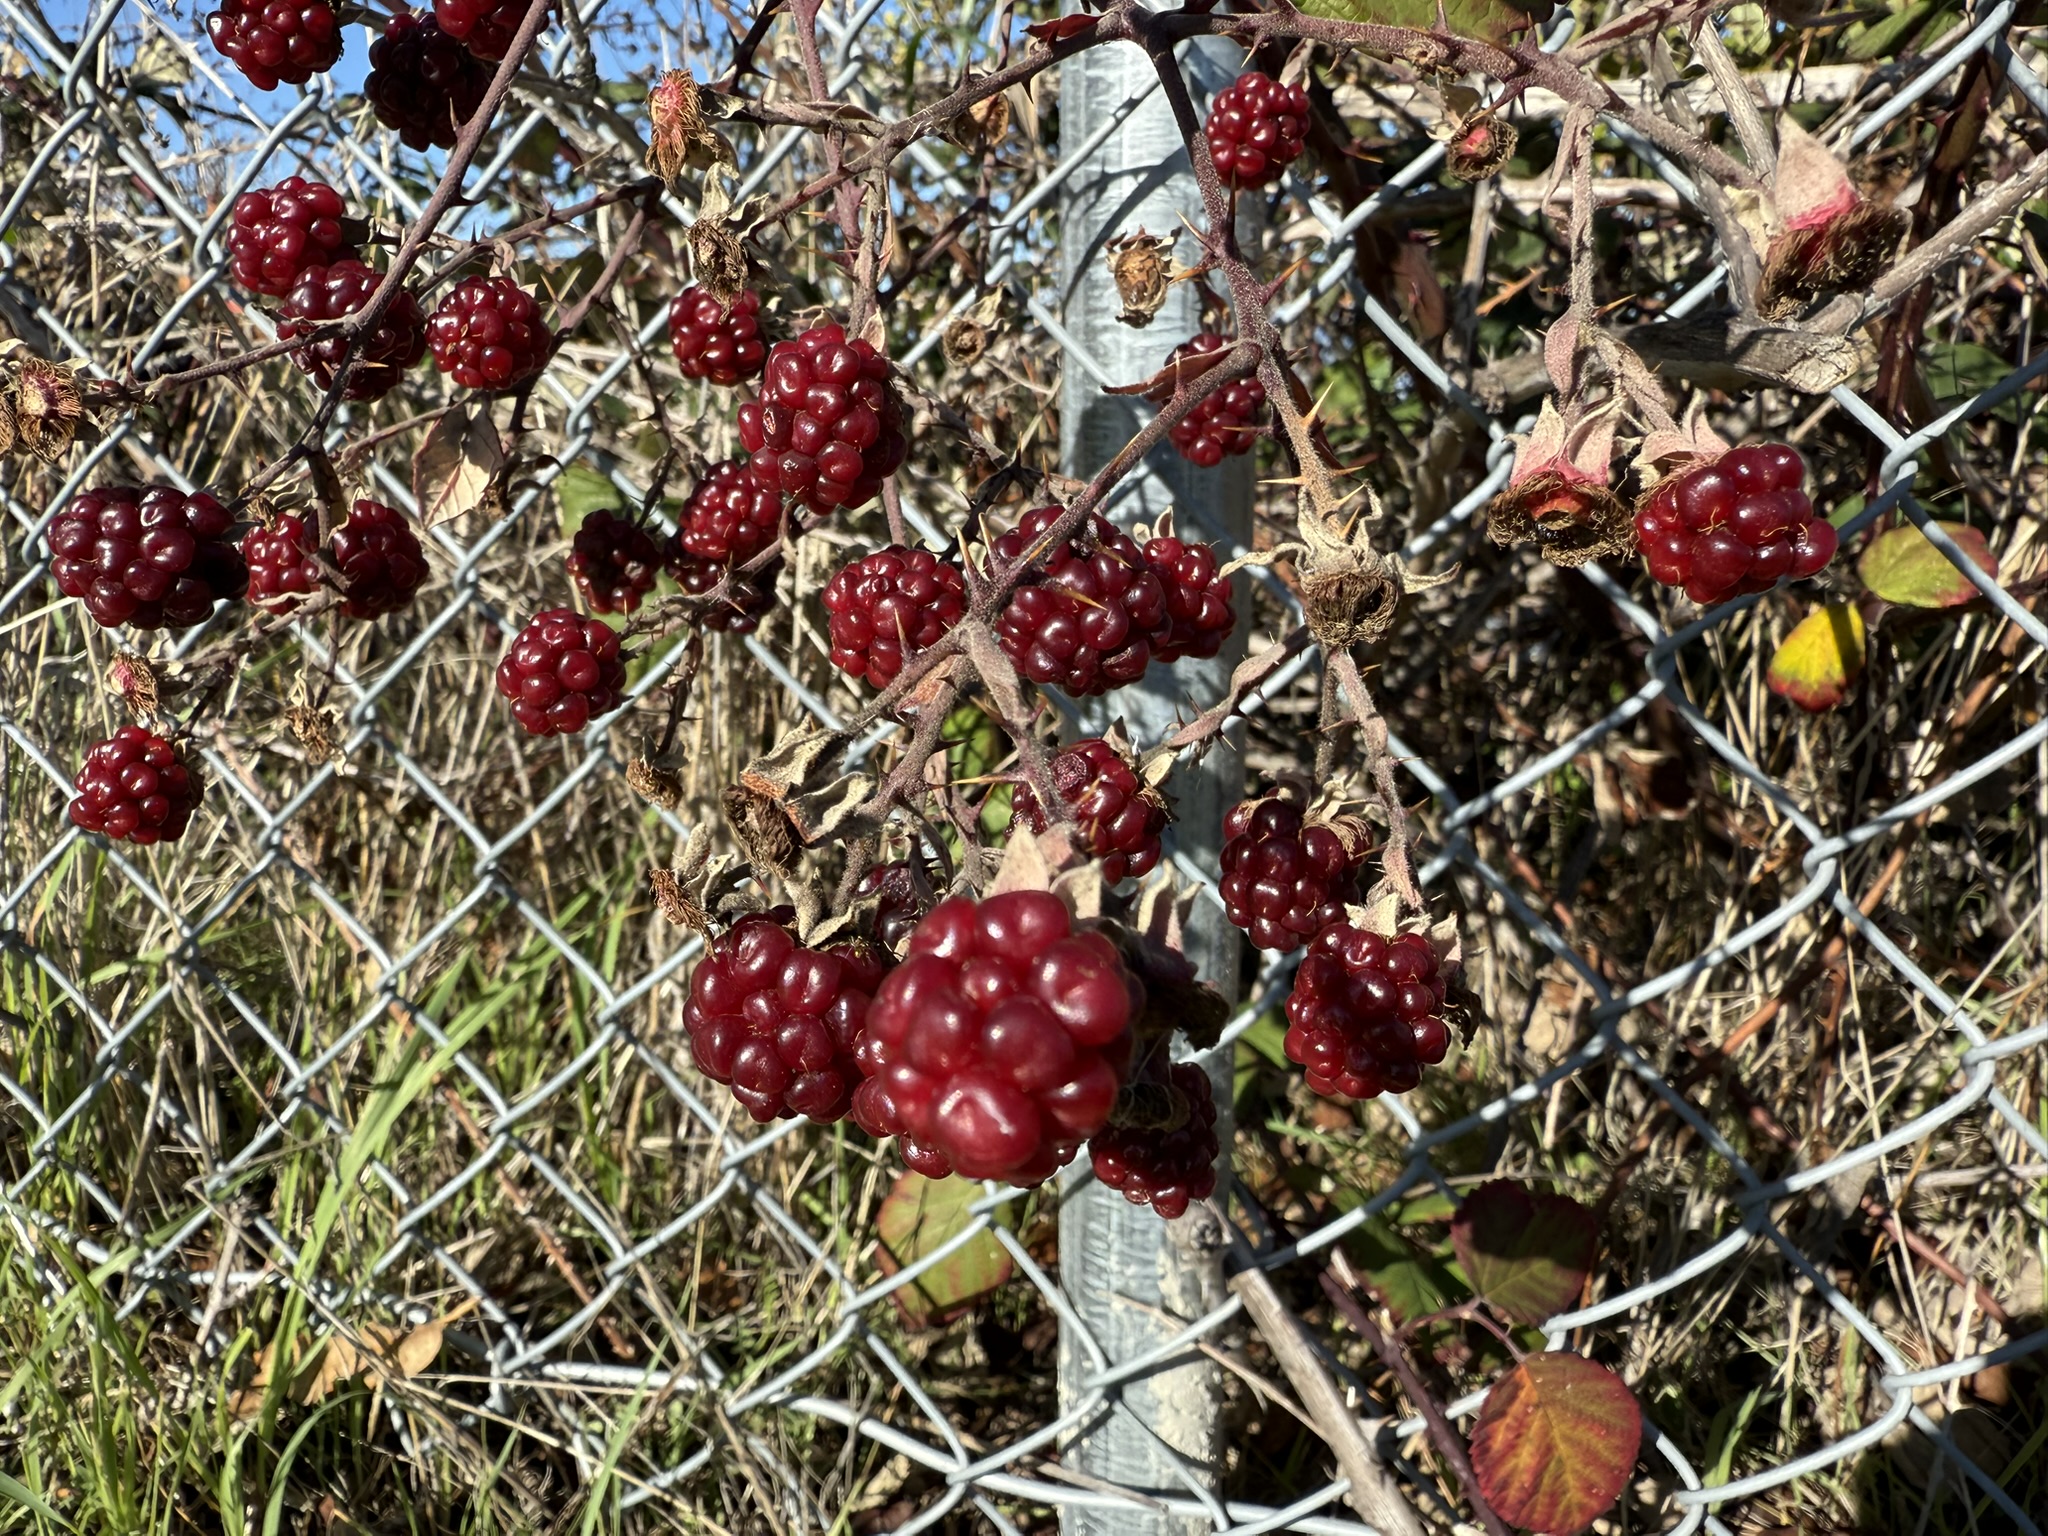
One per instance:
(730,517)
(1167,1168)
(1733,525)
(562,672)
(151,557)
(1085,619)
(613,562)
(1199,612)
(777,1023)
(282,570)
(716,342)
(746,599)
(379,558)
(898,911)
(279,232)
(1225,422)
(1255,130)
(827,429)
(485,27)
(277,42)
(1286,878)
(134,788)
(887,607)
(1001,1043)
(423,84)
(1366,1013)
(324,294)
(1120,817)
(487,334)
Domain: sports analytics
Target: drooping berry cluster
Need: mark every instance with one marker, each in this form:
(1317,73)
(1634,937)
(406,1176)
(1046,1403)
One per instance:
(1225,422)
(488,334)
(151,557)
(613,561)
(777,1022)
(134,788)
(379,558)
(562,672)
(1165,1168)
(277,42)
(1255,130)
(282,570)
(485,27)
(715,341)
(747,598)
(888,606)
(334,293)
(278,232)
(1000,1044)
(423,84)
(1285,878)
(1733,525)
(1366,1013)
(1120,817)
(730,517)
(1199,615)
(827,429)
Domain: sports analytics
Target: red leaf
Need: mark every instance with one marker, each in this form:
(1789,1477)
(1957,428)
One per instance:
(919,1217)
(1061,28)
(1164,384)
(1528,1255)
(1555,1443)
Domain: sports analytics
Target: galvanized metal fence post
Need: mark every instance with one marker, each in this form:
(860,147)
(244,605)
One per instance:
(1135,1280)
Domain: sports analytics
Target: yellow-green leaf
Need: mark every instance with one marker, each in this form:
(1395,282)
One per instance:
(919,1217)
(1492,21)
(1821,659)
(1903,566)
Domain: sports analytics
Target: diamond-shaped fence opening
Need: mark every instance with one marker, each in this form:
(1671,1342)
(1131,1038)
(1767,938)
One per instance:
(390,1041)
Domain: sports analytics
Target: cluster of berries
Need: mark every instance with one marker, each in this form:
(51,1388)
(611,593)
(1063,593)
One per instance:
(375,554)
(1222,424)
(1120,817)
(1734,524)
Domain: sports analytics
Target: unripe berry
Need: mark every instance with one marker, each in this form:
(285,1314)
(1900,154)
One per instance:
(277,42)
(379,558)
(134,788)
(423,83)
(747,598)
(613,562)
(1255,130)
(827,429)
(151,557)
(488,334)
(1223,423)
(887,607)
(278,232)
(1199,611)
(1085,619)
(1165,1168)
(1120,817)
(485,27)
(1366,1013)
(714,341)
(1733,525)
(730,517)
(1285,878)
(335,292)
(562,673)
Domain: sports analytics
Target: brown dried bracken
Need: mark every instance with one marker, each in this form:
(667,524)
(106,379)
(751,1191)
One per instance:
(1140,267)
(1482,144)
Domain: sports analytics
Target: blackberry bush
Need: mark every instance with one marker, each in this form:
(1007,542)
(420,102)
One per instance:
(827,429)
(1286,878)
(888,606)
(134,788)
(1224,423)
(1001,1042)
(423,84)
(613,561)
(152,557)
(488,334)
(335,292)
(1736,524)
(278,232)
(1366,1013)
(777,1023)
(1165,1166)
(1255,129)
(277,42)
(1120,816)
(714,341)
(563,672)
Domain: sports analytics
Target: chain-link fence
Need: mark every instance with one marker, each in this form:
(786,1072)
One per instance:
(277,1057)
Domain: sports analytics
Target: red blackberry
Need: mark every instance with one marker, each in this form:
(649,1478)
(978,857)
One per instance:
(746,599)
(898,911)
(562,672)
(777,1023)
(613,562)
(1286,879)
(1366,1013)
(1199,612)
(487,334)
(423,83)
(1226,422)
(828,428)
(1735,524)
(1085,620)
(729,516)
(713,341)
(1001,1043)
(134,788)
(277,41)
(276,234)
(282,570)
(1254,130)
(1165,1168)
(1120,817)
(485,27)
(379,558)
(888,606)
(152,557)
(335,292)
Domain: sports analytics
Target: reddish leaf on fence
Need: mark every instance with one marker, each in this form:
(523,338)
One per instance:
(1556,1442)
(919,1217)
(1903,566)
(1527,1254)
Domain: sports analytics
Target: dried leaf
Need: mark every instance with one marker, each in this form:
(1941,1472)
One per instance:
(1821,659)
(1556,1443)
(1061,28)
(455,468)
(1141,266)
(1025,866)
(1527,1254)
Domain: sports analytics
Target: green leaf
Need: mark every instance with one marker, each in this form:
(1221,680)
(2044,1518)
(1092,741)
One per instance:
(1414,1284)
(1903,566)
(1959,369)
(583,491)
(1874,40)
(919,1217)
(1556,1442)
(1492,21)
(1821,659)
(1527,1254)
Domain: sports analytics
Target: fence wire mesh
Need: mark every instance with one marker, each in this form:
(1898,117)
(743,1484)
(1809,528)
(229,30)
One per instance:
(328,954)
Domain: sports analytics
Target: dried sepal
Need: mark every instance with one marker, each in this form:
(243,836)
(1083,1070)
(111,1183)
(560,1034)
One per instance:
(1480,145)
(1558,495)
(1350,594)
(1823,235)
(1669,451)
(654,783)
(982,126)
(132,677)
(40,407)
(965,341)
(1141,266)
(681,132)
